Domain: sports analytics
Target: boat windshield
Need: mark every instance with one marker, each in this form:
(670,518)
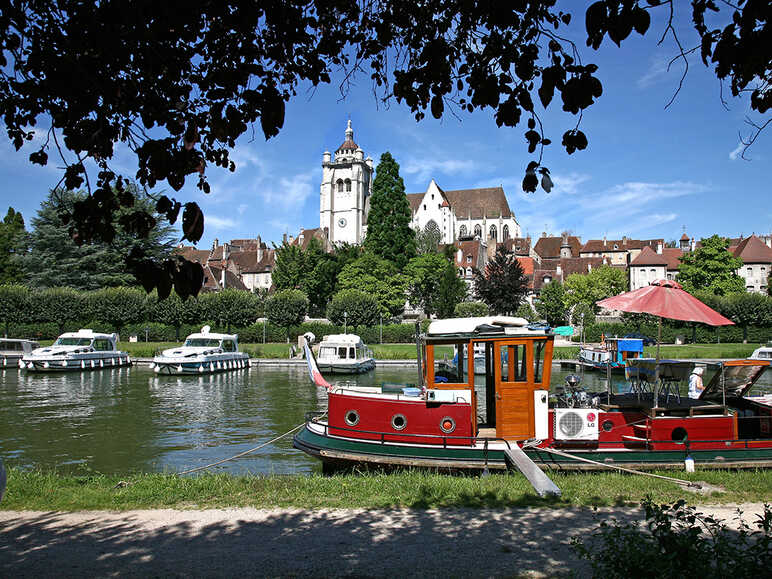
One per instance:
(202,342)
(72,341)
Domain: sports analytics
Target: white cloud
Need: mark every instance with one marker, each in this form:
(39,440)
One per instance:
(425,169)
(656,73)
(219,223)
(738,150)
(290,192)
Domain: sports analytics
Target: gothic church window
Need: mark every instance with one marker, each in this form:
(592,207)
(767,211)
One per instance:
(492,232)
(478,231)
(348,184)
(462,231)
(340,185)
(505,232)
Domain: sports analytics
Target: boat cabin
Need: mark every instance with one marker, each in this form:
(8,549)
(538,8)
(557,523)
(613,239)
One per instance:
(342,347)
(517,376)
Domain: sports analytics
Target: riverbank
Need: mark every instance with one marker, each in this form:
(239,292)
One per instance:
(50,491)
(510,542)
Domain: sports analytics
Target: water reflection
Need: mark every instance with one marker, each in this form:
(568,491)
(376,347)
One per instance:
(130,419)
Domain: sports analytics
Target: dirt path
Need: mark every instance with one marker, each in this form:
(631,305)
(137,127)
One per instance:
(288,542)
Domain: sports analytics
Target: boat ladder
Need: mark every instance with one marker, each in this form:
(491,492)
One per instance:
(541,483)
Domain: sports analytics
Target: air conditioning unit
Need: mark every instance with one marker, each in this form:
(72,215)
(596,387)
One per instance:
(576,424)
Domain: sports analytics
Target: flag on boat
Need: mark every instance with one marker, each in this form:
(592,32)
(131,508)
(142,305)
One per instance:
(313,369)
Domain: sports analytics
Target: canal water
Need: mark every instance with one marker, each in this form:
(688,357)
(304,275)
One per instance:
(130,420)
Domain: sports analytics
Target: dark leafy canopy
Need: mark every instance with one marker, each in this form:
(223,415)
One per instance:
(178,82)
(11,245)
(502,284)
(389,234)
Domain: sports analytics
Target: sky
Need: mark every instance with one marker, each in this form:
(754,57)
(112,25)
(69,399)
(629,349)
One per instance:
(648,172)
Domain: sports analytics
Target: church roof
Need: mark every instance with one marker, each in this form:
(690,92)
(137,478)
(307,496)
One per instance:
(487,202)
(753,250)
(349,144)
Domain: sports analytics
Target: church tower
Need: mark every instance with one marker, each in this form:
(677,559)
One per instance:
(344,197)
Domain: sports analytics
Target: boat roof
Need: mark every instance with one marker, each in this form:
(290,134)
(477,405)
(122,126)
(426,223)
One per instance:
(480,326)
(213,336)
(735,377)
(341,339)
(85,333)
(22,340)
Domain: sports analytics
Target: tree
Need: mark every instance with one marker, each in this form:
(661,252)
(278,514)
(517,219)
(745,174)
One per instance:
(60,305)
(711,268)
(173,311)
(428,239)
(231,307)
(286,308)
(378,278)
(118,306)
(434,285)
(389,234)
(11,246)
(551,304)
(53,259)
(451,292)
(526,312)
(502,285)
(355,308)
(13,304)
(600,283)
(749,309)
(227,65)
(470,310)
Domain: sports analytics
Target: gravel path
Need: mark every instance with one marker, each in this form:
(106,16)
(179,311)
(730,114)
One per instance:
(292,542)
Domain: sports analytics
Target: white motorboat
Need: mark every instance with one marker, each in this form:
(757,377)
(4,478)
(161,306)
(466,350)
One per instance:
(762,353)
(81,350)
(202,353)
(344,354)
(12,351)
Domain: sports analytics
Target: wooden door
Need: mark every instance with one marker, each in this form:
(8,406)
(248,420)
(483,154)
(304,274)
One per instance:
(514,389)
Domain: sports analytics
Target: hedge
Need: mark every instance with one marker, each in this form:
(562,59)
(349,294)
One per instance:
(704,334)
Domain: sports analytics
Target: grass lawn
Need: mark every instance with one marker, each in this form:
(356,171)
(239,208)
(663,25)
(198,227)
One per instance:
(50,491)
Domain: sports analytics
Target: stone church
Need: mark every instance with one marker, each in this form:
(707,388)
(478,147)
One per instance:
(344,202)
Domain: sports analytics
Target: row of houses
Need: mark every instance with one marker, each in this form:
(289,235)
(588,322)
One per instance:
(247,264)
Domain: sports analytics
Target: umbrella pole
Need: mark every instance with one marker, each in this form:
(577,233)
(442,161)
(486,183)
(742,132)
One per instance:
(656,365)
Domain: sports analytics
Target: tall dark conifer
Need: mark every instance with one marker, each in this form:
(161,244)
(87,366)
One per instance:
(502,284)
(389,235)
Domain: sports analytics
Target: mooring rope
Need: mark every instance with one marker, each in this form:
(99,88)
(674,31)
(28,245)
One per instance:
(622,468)
(239,455)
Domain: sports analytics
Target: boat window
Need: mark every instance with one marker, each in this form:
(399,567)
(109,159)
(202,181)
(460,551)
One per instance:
(456,371)
(72,342)
(228,346)
(352,353)
(327,352)
(513,362)
(11,346)
(202,342)
(102,345)
(342,353)
(538,359)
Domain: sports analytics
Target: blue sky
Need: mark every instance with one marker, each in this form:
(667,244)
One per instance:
(648,172)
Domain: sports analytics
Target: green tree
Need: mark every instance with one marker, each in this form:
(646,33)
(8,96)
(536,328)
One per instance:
(173,311)
(711,268)
(290,268)
(502,285)
(389,234)
(379,278)
(12,237)
(55,260)
(434,285)
(451,292)
(60,305)
(118,306)
(749,309)
(582,314)
(526,312)
(14,301)
(600,283)
(428,239)
(470,310)
(354,308)
(286,308)
(551,304)
(231,307)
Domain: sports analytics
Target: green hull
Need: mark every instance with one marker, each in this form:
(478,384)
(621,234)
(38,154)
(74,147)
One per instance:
(335,451)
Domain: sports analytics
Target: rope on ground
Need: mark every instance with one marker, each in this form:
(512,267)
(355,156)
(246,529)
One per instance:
(239,455)
(622,468)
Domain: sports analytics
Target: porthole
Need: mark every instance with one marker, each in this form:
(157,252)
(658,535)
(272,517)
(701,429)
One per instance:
(352,417)
(678,434)
(607,426)
(398,422)
(447,425)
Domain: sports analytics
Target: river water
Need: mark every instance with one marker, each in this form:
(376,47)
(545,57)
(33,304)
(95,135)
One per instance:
(130,420)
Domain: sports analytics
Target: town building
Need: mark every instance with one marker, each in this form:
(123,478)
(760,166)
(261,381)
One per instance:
(652,265)
(619,252)
(757,263)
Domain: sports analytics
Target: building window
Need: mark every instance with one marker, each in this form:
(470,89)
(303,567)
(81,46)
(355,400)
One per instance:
(468,272)
(546,279)
(461,271)
(492,232)
(340,185)
(462,231)
(348,184)
(653,272)
(670,276)
(424,206)
(505,234)
(478,230)
(750,271)
(469,259)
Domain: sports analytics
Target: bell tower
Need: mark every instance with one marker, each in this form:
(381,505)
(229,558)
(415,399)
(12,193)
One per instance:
(344,196)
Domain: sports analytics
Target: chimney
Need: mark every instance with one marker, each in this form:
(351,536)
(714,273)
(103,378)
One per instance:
(215,243)
(659,248)
(624,240)
(226,251)
(222,277)
(284,238)
(604,241)
(692,244)
(559,272)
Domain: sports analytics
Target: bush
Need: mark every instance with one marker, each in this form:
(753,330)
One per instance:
(286,308)
(470,310)
(353,307)
(679,542)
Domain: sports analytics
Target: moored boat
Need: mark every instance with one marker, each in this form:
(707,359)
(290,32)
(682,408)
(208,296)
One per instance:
(13,350)
(436,425)
(81,350)
(762,353)
(202,353)
(344,354)
(610,352)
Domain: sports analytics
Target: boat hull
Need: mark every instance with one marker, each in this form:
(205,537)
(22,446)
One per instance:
(340,452)
(121,360)
(343,368)
(199,367)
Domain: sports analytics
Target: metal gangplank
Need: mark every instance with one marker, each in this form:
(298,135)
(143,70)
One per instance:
(541,483)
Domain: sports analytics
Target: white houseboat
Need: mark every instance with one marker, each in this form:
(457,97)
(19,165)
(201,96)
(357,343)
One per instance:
(81,350)
(12,351)
(202,353)
(344,354)
(762,353)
